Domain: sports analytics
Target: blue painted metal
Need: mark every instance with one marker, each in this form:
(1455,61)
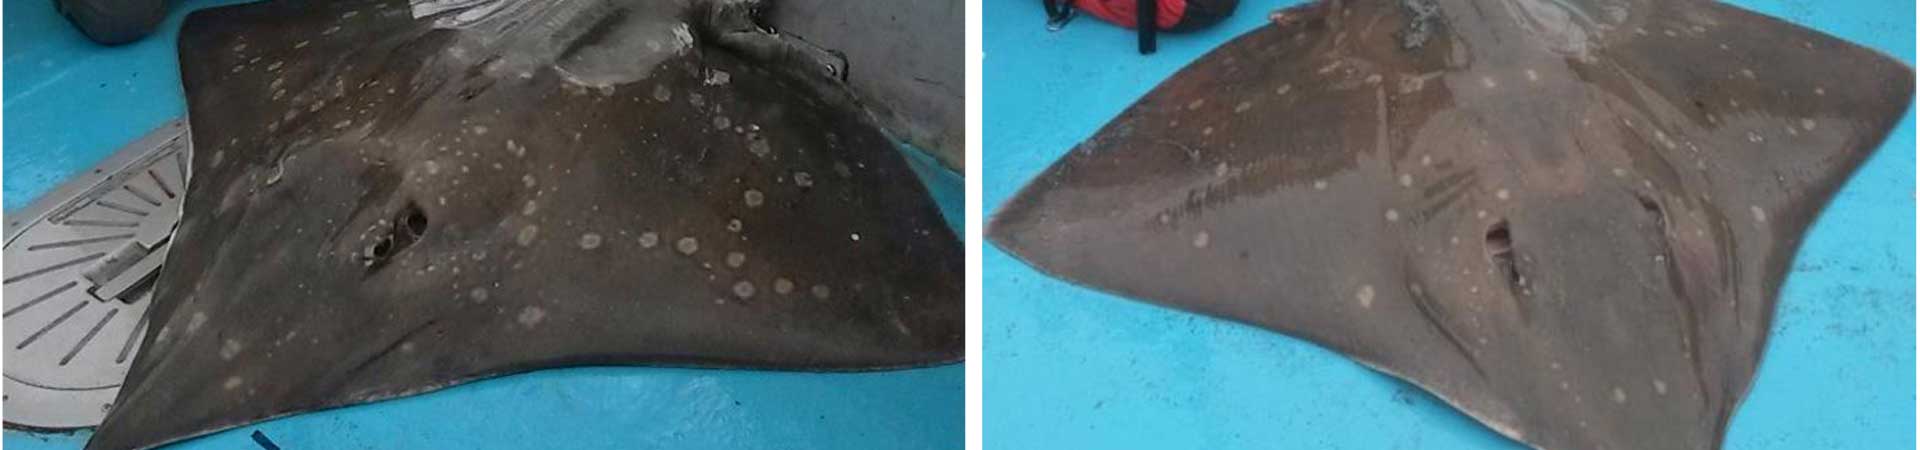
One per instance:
(627,407)
(69,104)
(1069,367)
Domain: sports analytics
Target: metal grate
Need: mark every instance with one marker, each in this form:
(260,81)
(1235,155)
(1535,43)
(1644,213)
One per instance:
(80,263)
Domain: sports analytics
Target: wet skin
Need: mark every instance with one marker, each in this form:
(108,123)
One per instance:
(385,205)
(1568,219)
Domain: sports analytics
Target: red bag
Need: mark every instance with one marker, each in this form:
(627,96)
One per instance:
(1167,15)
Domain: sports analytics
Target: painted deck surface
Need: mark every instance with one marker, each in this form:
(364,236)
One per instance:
(1069,367)
(69,104)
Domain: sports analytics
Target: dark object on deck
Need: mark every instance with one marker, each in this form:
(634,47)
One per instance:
(114,22)
(385,205)
(263,441)
(1571,224)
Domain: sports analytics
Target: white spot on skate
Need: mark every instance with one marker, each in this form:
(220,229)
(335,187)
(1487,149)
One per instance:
(527,235)
(229,349)
(531,316)
(753,198)
(782,286)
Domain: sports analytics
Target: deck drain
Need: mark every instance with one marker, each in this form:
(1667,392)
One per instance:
(80,263)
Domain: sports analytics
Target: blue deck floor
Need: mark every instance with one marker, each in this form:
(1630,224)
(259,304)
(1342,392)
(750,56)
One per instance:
(1068,367)
(68,104)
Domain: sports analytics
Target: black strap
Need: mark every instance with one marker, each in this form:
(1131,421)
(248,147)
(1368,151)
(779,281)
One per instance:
(1148,22)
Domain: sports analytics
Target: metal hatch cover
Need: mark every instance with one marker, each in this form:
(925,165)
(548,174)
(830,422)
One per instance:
(80,263)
